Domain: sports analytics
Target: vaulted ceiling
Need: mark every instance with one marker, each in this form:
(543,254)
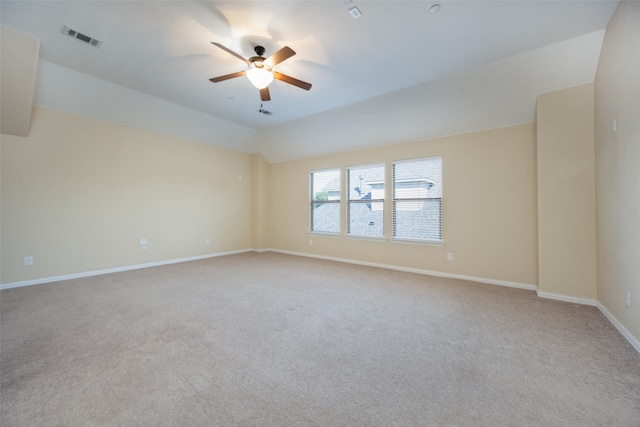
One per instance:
(396,73)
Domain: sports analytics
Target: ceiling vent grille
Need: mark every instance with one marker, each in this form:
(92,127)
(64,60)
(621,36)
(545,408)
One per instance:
(265,112)
(82,37)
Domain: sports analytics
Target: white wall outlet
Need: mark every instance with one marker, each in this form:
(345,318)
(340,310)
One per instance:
(627,298)
(207,242)
(311,241)
(145,248)
(143,241)
(614,126)
(28,260)
(449,256)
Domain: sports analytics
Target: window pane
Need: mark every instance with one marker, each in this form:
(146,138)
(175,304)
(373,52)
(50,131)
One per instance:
(365,210)
(417,220)
(325,218)
(366,221)
(325,201)
(417,195)
(418,178)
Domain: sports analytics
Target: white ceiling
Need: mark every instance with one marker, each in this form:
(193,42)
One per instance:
(397,73)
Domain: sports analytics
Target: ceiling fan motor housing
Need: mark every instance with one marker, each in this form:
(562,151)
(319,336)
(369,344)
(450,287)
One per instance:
(258,61)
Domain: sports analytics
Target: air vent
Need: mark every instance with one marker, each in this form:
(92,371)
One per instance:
(265,112)
(82,37)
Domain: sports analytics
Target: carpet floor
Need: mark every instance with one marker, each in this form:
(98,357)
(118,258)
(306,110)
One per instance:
(267,339)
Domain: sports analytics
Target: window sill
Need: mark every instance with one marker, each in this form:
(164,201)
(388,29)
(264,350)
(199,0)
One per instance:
(439,243)
(367,238)
(321,234)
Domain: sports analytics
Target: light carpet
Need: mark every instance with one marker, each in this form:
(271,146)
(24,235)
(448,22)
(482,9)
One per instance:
(267,339)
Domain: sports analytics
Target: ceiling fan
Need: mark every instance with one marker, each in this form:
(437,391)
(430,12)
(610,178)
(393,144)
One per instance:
(260,71)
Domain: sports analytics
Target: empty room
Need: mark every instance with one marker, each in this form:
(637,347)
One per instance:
(320,213)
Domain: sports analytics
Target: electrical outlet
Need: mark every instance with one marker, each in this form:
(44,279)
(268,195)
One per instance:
(627,298)
(28,260)
(449,256)
(145,248)
(207,242)
(311,241)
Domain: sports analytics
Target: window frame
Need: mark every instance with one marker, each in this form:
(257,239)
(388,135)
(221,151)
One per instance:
(349,200)
(394,202)
(313,201)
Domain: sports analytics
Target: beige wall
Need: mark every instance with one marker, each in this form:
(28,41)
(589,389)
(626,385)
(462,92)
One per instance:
(78,193)
(566,193)
(617,96)
(489,207)
(259,201)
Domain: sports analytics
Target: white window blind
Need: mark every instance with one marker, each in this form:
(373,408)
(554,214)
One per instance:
(365,201)
(417,199)
(324,206)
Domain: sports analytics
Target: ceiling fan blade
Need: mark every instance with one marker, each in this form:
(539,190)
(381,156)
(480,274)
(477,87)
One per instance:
(227,77)
(264,94)
(284,53)
(246,61)
(292,81)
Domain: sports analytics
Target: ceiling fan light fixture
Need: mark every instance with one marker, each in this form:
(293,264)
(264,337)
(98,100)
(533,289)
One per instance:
(259,77)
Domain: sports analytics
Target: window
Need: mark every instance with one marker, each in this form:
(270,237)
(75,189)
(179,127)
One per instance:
(324,206)
(417,199)
(365,201)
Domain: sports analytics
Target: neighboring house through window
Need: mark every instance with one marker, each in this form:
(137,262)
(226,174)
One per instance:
(365,207)
(324,206)
(417,199)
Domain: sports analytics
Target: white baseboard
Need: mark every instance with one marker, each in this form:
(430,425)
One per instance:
(585,301)
(115,270)
(624,331)
(195,258)
(567,298)
(415,270)
(577,300)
